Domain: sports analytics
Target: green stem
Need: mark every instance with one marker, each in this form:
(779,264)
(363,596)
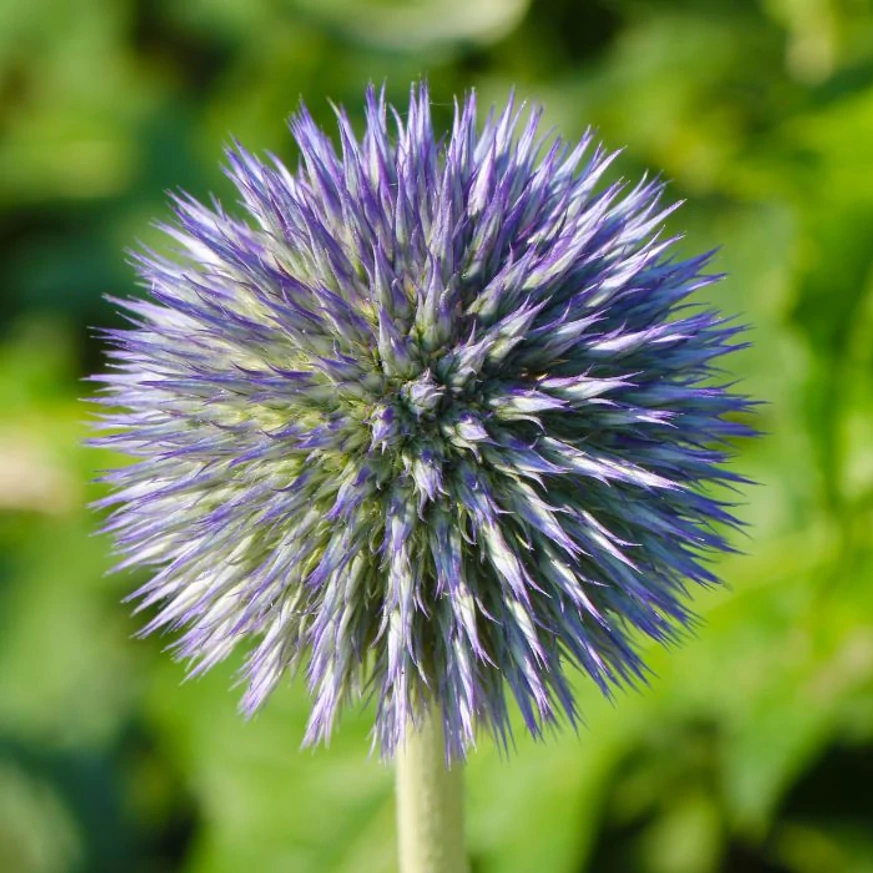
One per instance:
(430,810)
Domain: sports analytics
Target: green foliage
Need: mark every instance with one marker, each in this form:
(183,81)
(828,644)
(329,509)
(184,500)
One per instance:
(753,748)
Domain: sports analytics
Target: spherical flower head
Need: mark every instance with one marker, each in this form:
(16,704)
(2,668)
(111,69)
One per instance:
(434,421)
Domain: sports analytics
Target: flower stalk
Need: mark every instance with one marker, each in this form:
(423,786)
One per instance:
(430,809)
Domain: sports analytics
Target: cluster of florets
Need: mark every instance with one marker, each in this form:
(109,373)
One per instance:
(431,423)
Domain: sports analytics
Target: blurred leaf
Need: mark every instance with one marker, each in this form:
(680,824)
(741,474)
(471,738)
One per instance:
(420,24)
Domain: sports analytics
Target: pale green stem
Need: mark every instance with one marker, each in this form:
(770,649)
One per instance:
(430,809)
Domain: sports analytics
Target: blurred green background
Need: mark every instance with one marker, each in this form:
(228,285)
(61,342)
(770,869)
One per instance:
(753,750)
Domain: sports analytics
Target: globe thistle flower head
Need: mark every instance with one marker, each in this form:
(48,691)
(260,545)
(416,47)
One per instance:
(431,422)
